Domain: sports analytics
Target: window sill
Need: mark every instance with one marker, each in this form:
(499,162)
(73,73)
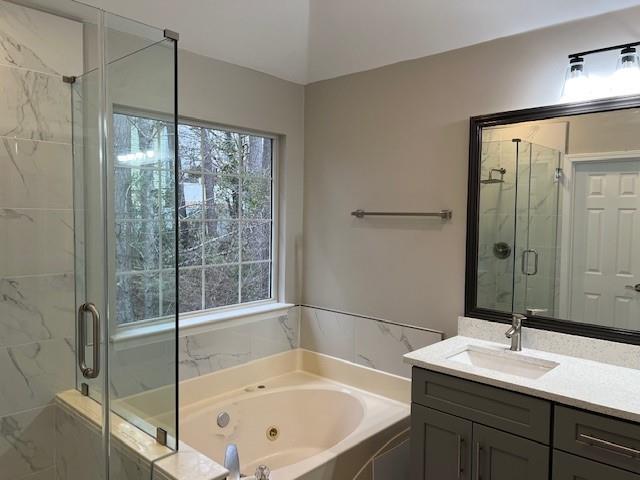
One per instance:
(195,323)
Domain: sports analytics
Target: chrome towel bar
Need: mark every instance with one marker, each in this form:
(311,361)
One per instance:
(443,214)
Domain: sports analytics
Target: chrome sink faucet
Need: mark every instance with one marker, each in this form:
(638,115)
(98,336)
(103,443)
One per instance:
(515,332)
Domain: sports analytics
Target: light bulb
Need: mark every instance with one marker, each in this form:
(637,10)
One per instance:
(576,83)
(626,79)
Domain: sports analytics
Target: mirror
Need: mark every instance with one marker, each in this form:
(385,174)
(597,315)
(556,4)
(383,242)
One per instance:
(554,220)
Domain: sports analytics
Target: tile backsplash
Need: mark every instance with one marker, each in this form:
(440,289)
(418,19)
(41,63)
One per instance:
(235,343)
(365,341)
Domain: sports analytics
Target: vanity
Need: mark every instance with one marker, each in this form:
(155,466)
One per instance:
(553,222)
(480,411)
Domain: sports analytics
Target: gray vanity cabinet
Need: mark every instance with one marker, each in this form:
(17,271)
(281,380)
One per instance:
(502,456)
(440,445)
(462,430)
(571,467)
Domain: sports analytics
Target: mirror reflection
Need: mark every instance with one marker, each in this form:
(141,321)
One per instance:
(559,222)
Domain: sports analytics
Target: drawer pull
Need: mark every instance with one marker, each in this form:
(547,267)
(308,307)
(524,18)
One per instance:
(614,447)
(460,469)
(478,459)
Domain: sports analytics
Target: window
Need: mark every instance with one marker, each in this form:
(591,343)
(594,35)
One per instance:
(225,211)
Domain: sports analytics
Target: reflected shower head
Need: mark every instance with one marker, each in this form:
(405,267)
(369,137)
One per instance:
(490,180)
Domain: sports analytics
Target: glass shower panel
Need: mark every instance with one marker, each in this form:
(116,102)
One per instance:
(142,226)
(497,225)
(536,236)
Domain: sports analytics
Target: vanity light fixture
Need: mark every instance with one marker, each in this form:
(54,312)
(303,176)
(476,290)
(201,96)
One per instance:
(626,79)
(578,85)
(576,81)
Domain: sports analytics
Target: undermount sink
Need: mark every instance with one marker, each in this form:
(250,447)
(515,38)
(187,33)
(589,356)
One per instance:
(504,361)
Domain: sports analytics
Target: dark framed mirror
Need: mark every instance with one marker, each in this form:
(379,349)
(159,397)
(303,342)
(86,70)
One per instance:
(553,219)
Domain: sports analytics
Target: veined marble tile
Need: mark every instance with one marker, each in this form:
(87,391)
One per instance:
(212,351)
(79,453)
(381,345)
(27,443)
(48,474)
(35,241)
(273,335)
(142,368)
(36,308)
(38,108)
(35,174)
(39,41)
(32,374)
(328,332)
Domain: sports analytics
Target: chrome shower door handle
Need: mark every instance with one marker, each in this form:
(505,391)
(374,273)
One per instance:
(525,262)
(94,370)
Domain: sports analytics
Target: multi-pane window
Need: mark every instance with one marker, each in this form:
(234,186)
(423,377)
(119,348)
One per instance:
(225,198)
(226,219)
(144,202)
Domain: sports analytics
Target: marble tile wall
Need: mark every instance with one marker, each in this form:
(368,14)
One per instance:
(235,343)
(364,341)
(36,234)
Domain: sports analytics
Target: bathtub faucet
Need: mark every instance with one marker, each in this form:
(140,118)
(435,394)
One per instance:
(262,472)
(232,462)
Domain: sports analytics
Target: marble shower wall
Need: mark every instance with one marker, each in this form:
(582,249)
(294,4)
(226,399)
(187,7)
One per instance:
(36,233)
(364,341)
(237,342)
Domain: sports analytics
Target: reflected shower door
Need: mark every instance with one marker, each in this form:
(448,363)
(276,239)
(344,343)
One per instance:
(536,233)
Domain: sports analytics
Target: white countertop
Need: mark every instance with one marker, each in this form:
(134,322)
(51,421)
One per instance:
(595,386)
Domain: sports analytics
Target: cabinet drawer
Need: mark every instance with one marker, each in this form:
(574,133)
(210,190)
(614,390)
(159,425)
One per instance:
(512,412)
(607,440)
(570,467)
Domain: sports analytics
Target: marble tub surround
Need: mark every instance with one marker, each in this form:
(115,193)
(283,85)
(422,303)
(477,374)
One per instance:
(135,455)
(595,386)
(234,343)
(365,378)
(366,341)
(614,353)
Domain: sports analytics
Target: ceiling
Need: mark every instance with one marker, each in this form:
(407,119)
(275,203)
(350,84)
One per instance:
(305,41)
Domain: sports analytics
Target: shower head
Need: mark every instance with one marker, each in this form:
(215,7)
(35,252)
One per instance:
(492,180)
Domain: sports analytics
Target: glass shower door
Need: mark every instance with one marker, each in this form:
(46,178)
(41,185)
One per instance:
(536,232)
(141,227)
(124,145)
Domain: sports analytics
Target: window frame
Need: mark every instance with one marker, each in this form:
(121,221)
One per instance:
(226,311)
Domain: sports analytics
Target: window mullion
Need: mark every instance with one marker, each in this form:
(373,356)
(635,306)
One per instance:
(240,225)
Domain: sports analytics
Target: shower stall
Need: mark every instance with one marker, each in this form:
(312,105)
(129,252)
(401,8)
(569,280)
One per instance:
(87,201)
(519,218)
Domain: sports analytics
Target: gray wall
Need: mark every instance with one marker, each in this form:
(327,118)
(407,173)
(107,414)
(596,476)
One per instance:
(396,138)
(219,92)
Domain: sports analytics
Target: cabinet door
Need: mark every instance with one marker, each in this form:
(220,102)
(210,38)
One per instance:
(570,467)
(502,456)
(440,445)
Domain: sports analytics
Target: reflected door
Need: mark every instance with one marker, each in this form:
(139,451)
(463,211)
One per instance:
(605,267)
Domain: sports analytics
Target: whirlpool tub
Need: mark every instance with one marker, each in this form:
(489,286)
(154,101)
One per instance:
(302,414)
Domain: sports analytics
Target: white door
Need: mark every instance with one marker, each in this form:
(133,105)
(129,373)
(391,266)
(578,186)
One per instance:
(605,260)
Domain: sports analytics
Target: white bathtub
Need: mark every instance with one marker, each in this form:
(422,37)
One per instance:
(296,422)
